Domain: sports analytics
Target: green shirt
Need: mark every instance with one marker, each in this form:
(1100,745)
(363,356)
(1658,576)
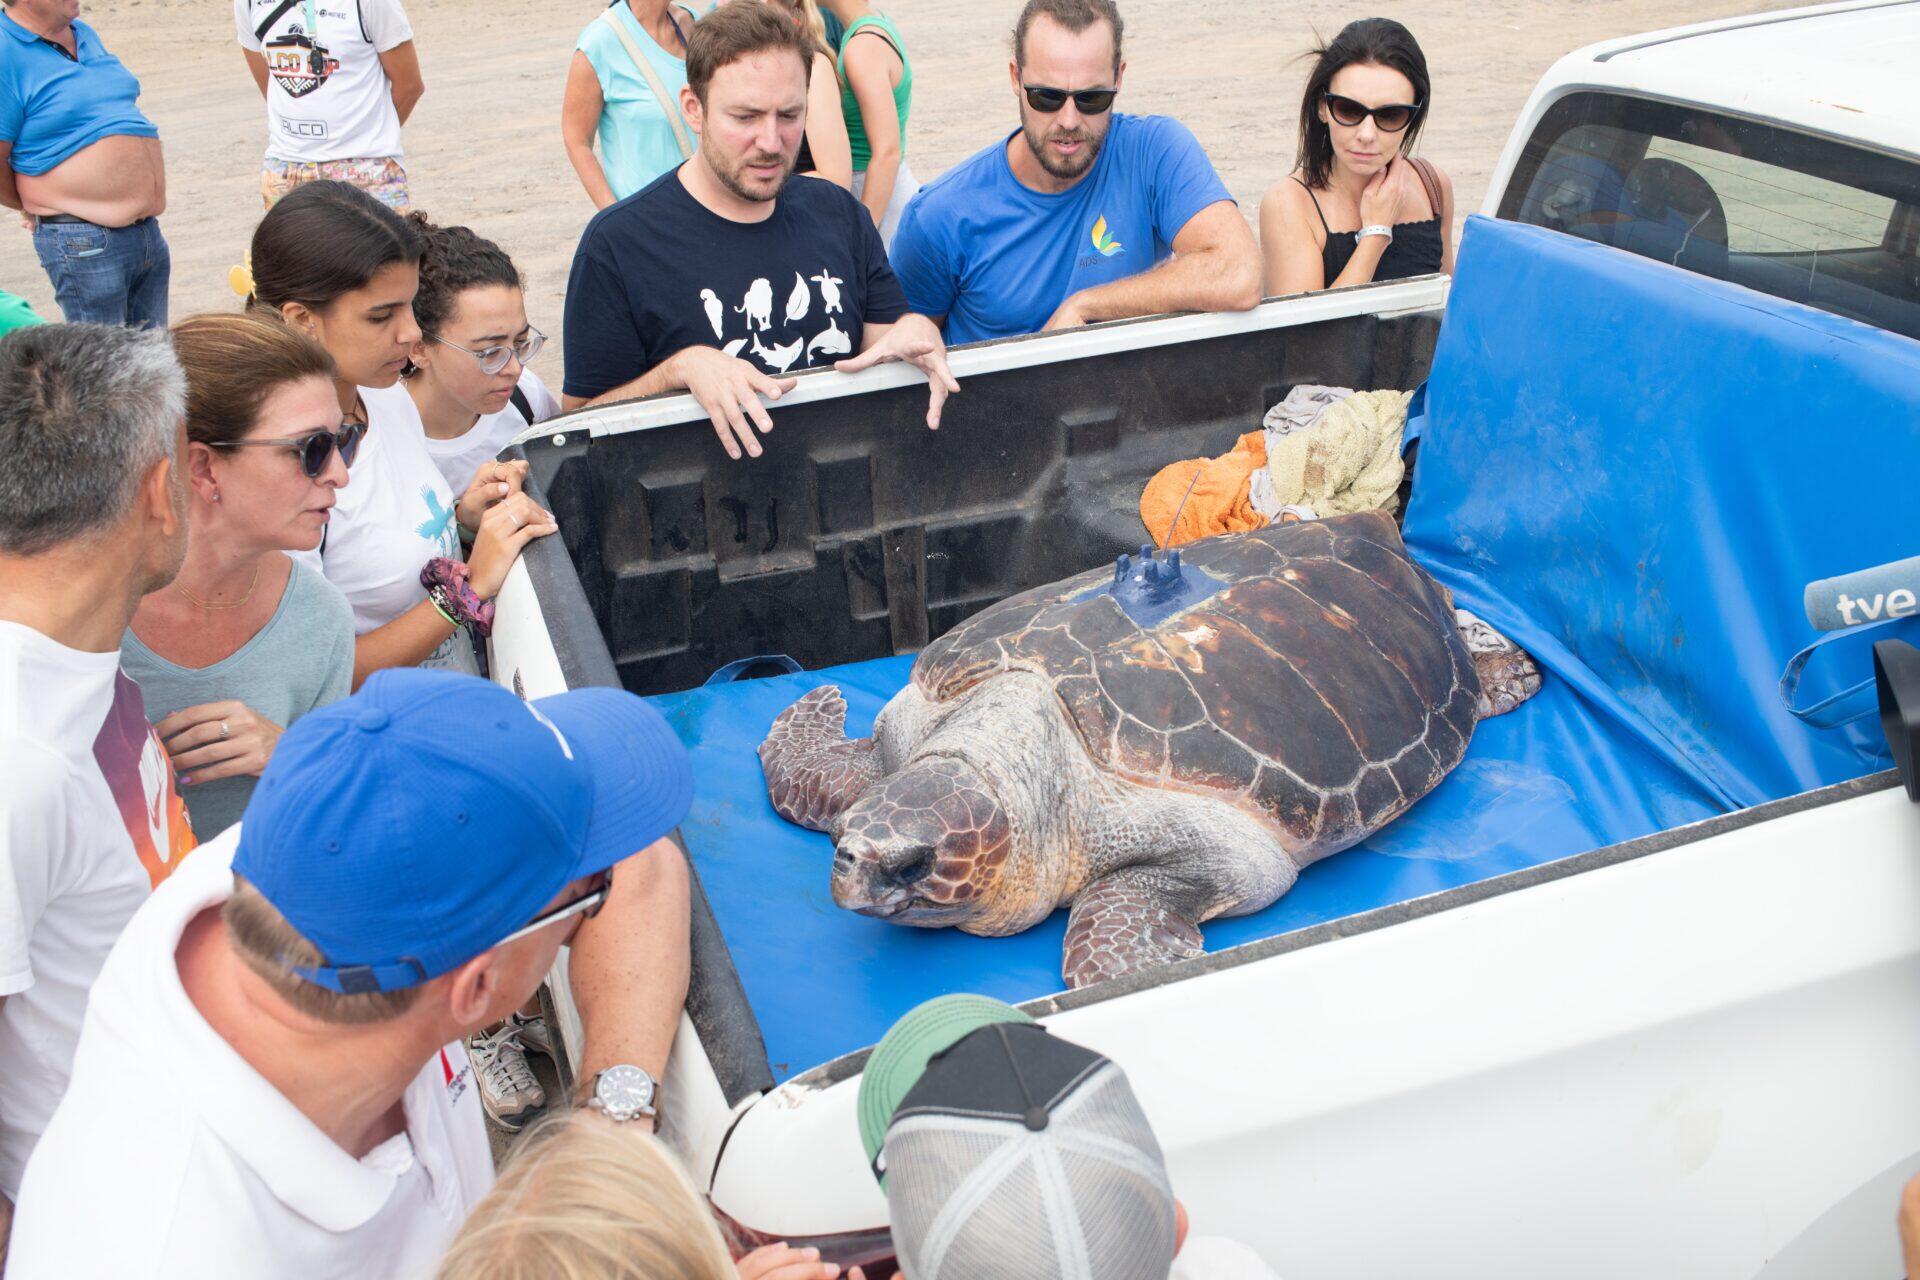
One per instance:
(850,105)
(15,313)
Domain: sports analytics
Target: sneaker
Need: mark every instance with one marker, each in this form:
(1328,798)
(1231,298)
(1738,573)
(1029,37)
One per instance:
(533,1033)
(508,1092)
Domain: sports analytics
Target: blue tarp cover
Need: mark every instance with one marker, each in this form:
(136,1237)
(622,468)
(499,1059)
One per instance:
(1631,470)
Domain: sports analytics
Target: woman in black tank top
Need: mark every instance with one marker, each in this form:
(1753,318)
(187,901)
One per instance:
(1359,208)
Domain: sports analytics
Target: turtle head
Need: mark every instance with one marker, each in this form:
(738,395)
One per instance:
(929,846)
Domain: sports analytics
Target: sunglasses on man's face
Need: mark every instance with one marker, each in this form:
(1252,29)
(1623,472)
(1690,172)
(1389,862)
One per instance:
(1391,119)
(586,906)
(314,451)
(493,359)
(1090,102)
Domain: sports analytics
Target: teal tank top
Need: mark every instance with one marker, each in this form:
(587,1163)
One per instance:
(850,105)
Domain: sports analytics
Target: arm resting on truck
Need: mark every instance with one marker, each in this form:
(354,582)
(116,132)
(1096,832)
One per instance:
(629,965)
(1215,267)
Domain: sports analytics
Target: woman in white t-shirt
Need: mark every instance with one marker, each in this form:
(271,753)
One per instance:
(340,78)
(470,385)
(341,267)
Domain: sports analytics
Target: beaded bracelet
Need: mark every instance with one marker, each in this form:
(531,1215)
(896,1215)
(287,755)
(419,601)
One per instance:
(449,587)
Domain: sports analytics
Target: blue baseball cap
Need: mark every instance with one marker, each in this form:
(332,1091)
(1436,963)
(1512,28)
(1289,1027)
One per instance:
(409,828)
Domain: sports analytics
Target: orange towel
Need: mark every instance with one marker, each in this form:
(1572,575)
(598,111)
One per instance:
(1219,503)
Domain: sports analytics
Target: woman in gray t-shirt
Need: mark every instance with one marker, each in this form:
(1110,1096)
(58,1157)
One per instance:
(244,641)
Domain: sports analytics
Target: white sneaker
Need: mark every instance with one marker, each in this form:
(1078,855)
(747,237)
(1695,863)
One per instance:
(508,1092)
(533,1033)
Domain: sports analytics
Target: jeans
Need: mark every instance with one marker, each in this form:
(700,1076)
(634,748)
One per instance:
(107,275)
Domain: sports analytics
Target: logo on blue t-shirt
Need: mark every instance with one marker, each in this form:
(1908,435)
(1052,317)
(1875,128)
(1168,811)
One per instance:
(1103,239)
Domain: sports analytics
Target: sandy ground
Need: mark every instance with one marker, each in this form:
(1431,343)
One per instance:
(484,145)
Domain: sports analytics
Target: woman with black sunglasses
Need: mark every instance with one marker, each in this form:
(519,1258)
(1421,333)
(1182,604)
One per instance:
(245,641)
(341,267)
(1366,101)
(469,384)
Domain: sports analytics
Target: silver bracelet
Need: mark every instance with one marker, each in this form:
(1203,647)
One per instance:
(1377,229)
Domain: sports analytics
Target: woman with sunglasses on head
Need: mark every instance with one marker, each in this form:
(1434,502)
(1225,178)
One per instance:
(341,267)
(469,384)
(1366,101)
(245,641)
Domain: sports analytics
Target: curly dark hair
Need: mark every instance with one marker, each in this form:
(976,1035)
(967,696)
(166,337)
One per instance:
(456,259)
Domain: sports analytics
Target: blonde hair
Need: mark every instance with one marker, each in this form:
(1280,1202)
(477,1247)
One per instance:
(585,1199)
(272,948)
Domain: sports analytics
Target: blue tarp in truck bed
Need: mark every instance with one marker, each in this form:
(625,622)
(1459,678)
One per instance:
(1630,469)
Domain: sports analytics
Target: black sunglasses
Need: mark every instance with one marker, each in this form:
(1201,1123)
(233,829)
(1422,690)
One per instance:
(1091,102)
(1391,119)
(315,449)
(586,906)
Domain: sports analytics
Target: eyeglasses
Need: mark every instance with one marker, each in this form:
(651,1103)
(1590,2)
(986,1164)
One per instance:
(1091,102)
(315,450)
(587,906)
(494,359)
(1392,118)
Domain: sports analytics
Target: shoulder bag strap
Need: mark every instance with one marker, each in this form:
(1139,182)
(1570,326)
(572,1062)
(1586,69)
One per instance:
(1428,181)
(260,32)
(519,401)
(667,104)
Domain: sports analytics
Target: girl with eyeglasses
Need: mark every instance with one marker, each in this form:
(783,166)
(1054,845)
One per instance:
(245,641)
(1366,101)
(469,384)
(337,265)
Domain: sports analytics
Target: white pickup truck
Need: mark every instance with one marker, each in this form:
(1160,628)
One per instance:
(1634,993)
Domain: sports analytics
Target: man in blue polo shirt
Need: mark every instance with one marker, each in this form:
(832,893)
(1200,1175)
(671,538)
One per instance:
(1082,214)
(83,164)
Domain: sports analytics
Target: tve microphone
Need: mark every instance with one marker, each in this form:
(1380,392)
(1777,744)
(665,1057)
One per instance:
(1870,595)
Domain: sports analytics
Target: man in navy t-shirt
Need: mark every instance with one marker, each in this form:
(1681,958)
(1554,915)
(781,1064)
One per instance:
(723,275)
(1072,219)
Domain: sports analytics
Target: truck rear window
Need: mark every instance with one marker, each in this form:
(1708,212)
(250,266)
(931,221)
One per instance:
(1800,217)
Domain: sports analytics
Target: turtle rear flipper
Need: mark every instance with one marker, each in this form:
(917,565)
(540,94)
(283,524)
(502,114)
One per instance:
(1508,673)
(814,771)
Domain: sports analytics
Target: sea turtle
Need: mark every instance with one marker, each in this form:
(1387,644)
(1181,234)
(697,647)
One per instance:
(1154,745)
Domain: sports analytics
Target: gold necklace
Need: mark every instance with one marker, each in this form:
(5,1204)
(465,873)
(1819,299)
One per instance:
(197,602)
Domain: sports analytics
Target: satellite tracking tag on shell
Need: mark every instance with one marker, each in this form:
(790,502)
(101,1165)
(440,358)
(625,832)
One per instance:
(1869,595)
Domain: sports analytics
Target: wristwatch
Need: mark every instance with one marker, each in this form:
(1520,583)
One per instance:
(1377,229)
(624,1093)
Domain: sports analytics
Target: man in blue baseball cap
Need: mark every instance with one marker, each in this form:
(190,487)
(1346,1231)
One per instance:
(272,1079)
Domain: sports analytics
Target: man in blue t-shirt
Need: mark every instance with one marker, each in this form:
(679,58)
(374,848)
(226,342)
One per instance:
(724,275)
(1072,219)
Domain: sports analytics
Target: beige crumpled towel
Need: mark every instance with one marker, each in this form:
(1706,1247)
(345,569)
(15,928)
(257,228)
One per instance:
(1347,459)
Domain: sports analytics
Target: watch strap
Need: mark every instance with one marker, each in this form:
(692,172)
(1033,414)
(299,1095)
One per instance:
(1374,229)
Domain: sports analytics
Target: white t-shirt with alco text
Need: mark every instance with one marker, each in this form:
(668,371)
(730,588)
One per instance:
(90,821)
(459,459)
(395,514)
(171,1157)
(328,97)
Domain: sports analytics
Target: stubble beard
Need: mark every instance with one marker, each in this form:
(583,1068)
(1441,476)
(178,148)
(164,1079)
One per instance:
(1068,170)
(730,178)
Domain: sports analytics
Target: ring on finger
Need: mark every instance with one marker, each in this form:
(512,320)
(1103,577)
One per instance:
(223,730)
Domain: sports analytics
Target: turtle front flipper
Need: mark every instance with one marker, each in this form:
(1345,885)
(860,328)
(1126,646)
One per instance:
(1508,673)
(814,771)
(1127,922)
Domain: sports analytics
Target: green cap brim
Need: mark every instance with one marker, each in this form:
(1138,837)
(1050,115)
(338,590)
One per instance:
(903,1053)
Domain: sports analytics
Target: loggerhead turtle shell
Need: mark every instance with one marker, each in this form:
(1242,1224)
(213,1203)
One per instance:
(1326,688)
